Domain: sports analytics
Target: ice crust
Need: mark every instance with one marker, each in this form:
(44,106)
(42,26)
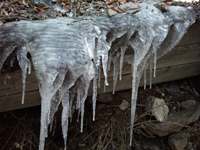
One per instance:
(67,57)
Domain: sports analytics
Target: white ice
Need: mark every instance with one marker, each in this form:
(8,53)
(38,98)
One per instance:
(67,57)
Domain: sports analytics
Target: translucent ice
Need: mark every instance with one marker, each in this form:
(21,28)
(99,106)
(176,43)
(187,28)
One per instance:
(67,57)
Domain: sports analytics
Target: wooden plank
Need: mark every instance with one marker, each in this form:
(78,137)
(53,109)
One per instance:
(192,36)
(177,56)
(14,85)
(181,62)
(12,102)
(165,74)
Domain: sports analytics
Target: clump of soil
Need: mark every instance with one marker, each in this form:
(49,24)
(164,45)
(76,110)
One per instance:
(20,129)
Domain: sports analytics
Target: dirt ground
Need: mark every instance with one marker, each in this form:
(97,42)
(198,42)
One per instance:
(20,129)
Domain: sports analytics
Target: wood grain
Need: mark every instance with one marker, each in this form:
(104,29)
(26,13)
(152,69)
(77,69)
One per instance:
(177,56)
(32,98)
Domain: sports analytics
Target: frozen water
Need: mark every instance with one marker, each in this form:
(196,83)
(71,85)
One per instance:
(67,57)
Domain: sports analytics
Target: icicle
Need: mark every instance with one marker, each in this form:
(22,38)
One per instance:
(94,95)
(145,76)
(85,83)
(114,77)
(24,83)
(83,109)
(65,116)
(71,108)
(96,64)
(78,99)
(133,99)
(109,61)
(155,60)
(12,60)
(104,64)
(44,120)
(78,103)
(6,76)
(116,67)
(104,88)
(123,49)
(99,79)
(24,64)
(54,127)
(51,125)
(151,67)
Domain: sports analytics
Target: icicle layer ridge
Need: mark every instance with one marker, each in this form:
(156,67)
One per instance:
(67,57)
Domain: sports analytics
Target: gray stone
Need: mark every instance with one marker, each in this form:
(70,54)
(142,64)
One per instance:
(163,7)
(111,12)
(124,105)
(175,122)
(178,141)
(188,103)
(128,6)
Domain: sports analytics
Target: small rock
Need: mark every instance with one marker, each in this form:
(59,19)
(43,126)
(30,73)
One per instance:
(105,98)
(188,103)
(169,3)
(124,105)
(163,7)
(157,107)
(174,122)
(81,145)
(111,12)
(178,141)
(128,6)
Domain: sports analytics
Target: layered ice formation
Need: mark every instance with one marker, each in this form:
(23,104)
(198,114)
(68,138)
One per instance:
(67,54)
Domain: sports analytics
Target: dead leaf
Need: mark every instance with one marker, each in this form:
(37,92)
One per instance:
(117,10)
(111,6)
(165,1)
(40,9)
(169,3)
(97,3)
(23,15)
(67,6)
(24,3)
(1,22)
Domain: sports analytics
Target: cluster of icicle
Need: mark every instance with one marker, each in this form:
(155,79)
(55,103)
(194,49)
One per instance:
(66,56)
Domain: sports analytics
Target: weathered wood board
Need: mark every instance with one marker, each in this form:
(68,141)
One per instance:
(181,62)
(32,98)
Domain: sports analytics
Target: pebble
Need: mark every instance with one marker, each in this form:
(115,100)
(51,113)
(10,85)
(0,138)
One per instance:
(178,141)
(128,6)
(188,104)
(124,105)
(111,12)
